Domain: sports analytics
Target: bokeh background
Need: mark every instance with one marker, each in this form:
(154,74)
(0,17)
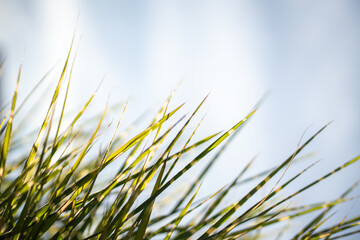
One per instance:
(305,54)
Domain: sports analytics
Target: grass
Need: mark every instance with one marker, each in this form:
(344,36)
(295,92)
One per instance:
(57,189)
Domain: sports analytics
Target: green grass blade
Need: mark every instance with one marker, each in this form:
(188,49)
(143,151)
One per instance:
(7,139)
(36,144)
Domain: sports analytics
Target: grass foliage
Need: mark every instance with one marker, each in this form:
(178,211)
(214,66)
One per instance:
(54,190)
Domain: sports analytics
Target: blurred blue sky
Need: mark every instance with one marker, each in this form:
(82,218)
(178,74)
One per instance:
(307,53)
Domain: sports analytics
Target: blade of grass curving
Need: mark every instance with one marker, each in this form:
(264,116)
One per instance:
(296,160)
(345,235)
(322,214)
(259,175)
(310,185)
(313,229)
(305,210)
(354,222)
(234,207)
(340,224)
(241,218)
(272,193)
(335,228)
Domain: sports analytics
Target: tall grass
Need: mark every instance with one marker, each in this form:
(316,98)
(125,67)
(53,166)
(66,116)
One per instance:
(55,190)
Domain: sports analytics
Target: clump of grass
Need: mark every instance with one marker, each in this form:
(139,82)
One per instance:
(53,191)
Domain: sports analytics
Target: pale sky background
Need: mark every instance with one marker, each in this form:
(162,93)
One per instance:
(307,53)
